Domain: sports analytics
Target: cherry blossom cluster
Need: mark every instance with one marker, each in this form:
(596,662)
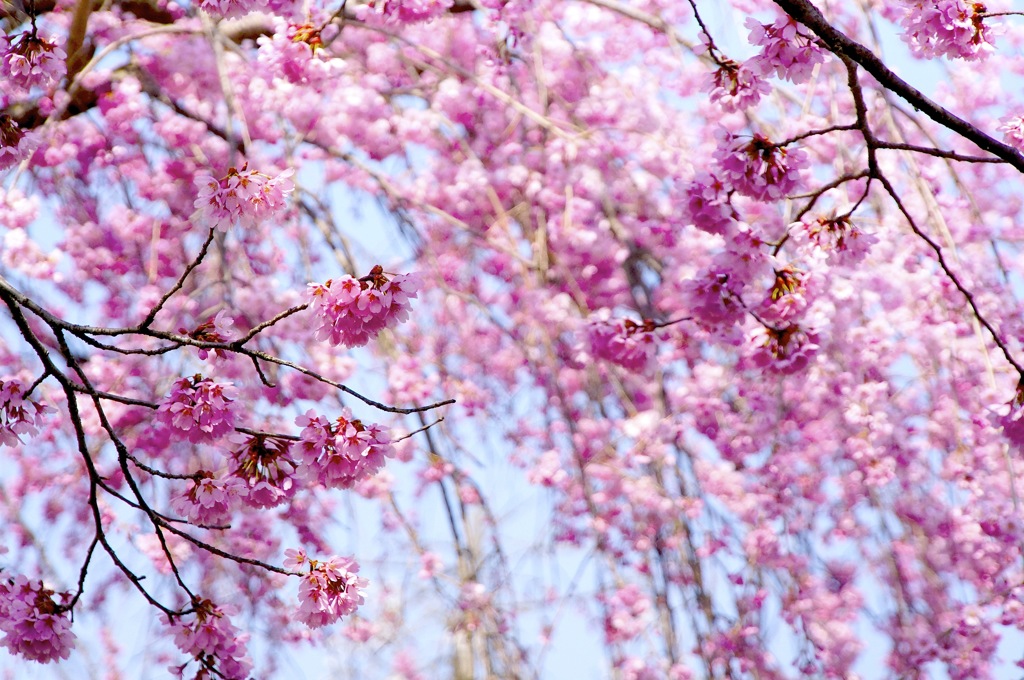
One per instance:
(209,499)
(352,311)
(735,86)
(243,196)
(759,168)
(342,452)
(946,28)
(842,240)
(626,611)
(208,636)
(34,626)
(787,50)
(18,416)
(265,466)
(708,204)
(15,143)
(30,61)
(622,341)
(200,408)
(329,589)
(296,52)
(785,350)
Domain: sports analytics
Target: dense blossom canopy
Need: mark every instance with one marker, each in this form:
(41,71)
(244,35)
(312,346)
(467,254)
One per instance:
(698,323)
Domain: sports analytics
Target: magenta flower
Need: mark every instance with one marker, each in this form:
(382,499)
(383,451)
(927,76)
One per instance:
(244,196)
(200,408)
(351,311)
(34,626)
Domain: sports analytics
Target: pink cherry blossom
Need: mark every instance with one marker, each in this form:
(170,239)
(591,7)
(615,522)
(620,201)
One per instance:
(341,452)
(945,28)
(759,168)
(207,635)
(735,86)
(352,311)
(328,590)
(30,61)
(200,408)
(621,341)
(788,50)
(18,416)
(34,626)
(243,196)
(209,499)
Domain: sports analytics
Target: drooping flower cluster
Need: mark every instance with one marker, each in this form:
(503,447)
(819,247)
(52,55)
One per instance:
(622,341)
(209,637)
(787,50)
(625,613)
(30,61)
(340,453)
(209,499)
(296,53)
(946,28)
(351,311)
(34,626)
(760,168)
(329,590)
(243,196)
(266,468)
(708,204)
(843,241)
(735,86)
(18,415)
(200,408)
(784,350)
(15,143)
